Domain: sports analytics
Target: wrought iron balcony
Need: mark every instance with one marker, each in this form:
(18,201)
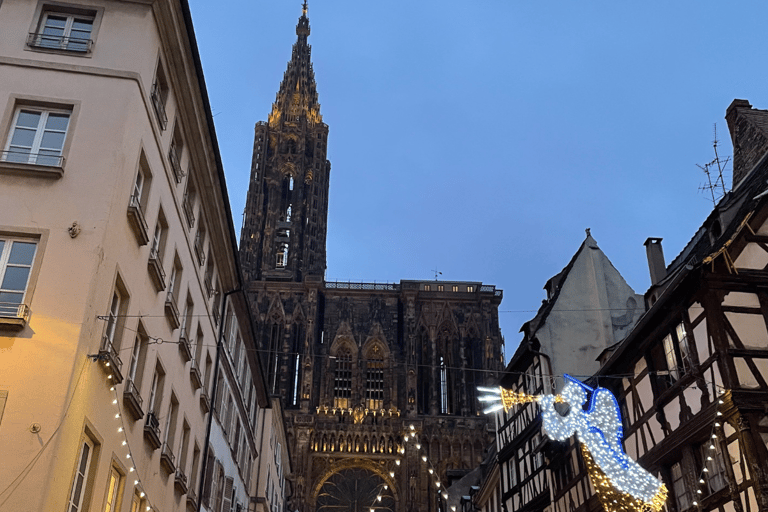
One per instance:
(184,345)
(200,252)
(53,42)
(189,212)
(110,359)
(167,458)
(158,102)
(137,221)
(132,400)
(13,316)
(155,267)
(172,310)
(174,157)
(46,159)
(152,430)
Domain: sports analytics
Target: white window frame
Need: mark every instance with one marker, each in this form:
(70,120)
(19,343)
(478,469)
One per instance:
(5,254)
(46,8)
(64,44)
(80,480)
(33,157)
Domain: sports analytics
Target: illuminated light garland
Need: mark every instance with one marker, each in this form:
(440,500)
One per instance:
(121,429)
(410,433)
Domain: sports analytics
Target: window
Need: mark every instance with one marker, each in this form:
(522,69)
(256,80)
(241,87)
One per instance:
(680,489)
(16,258)
(676,356)
(455,288)
(374,380)
(37,137)
(159,96)
(342,384)
(155,262)
(81,478)
(137,204)
(109,352)
(470,289)
(712,456)
(190,197)
(443,387)
(427,287)
(63,31)
(112,502)
(200,243)
(174,153)
(131,393)
(440,288)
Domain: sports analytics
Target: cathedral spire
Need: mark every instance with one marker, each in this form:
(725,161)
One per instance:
(297,96)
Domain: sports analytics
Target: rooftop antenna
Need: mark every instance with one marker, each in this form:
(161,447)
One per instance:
(715,170)
(437,273)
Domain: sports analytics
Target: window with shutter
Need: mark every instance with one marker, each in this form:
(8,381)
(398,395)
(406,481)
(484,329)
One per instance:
(226,502)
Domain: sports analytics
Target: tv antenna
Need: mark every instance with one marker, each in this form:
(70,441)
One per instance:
(714,171)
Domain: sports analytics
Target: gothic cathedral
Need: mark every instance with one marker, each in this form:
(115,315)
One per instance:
(373,378)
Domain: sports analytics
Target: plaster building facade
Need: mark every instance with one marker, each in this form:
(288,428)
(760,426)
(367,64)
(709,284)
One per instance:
(117,256)
(357,365)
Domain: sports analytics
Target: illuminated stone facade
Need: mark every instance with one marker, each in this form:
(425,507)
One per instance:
(356,364)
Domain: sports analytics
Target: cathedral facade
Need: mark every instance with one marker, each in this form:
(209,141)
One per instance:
(378,381)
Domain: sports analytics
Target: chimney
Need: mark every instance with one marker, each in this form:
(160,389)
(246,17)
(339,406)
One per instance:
(656,263)
(748,136)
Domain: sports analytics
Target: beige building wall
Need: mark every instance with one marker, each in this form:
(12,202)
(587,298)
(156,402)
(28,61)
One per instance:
(57,393)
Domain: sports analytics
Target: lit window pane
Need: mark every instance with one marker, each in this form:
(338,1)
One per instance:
(22,253)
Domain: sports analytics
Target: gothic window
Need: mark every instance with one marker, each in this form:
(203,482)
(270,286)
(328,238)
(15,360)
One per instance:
(374,379)
(282,255)
(295,365)
(274,343)
(342,382)
(423,388)
(443,387)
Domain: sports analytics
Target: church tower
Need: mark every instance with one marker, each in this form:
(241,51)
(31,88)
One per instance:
(284,230)
(356,366)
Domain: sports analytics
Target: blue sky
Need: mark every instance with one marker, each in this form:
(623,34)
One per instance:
(480,138)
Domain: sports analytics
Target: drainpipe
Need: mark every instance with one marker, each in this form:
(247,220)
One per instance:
(203,466)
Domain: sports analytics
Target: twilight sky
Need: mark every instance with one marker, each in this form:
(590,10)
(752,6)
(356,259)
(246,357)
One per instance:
(480,138)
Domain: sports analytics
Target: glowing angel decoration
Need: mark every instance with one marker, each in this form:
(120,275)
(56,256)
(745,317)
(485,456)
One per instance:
(621,483)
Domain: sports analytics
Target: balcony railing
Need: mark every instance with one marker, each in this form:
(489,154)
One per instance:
(159,103)
(13,315)
(181,481)
(25,157)
(174,157)
(137,221)
(52,42)
(167,458)
(199,252)
(362,286)
(155,267)
(172,310)
(195,375)
(110,358)
(152,430)
(208,285)
(133,400)
(185,346)
(189,212)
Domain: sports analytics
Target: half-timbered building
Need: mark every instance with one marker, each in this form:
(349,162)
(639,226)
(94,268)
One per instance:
(589,307)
